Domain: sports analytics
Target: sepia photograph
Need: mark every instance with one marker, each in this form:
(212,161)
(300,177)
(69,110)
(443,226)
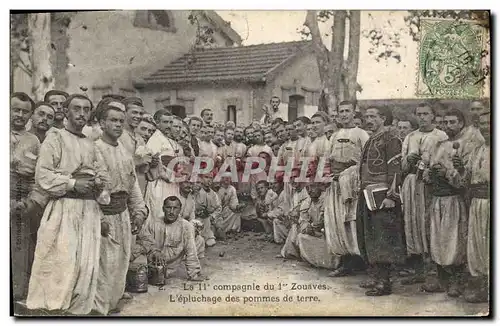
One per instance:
(250,163)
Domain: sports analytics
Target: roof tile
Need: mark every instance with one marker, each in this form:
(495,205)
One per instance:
(250,63)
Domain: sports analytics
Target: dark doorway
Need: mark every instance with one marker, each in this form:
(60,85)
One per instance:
(177,110)
(231,113)
(295,105)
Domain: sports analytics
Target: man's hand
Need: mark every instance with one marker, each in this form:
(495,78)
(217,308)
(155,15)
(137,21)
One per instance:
(159,258)
(84,186)
(137,225)
(318,234)
(438,170)
(388,203)
(458,164)
(413,158)
(155,160)
(105,229)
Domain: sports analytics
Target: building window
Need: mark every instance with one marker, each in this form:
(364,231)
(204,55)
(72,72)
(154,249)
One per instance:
(155,19)
(231,113)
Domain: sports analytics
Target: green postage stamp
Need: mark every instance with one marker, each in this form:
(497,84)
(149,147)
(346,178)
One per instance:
(450,61)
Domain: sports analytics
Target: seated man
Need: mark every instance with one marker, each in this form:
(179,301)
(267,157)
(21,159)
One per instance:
(266,198)
(311,238)
(168,242)
(208,210)
(298,195)
(231,208)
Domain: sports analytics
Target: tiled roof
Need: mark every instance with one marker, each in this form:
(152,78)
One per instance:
(244,63)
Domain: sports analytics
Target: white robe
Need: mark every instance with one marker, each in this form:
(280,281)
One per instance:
(115,249)
(211,203)
(230,220)
(448,214)
(314,249)
(478,240)
(294,203)
(414,194)
(65,269)
(341,202)
(158,189)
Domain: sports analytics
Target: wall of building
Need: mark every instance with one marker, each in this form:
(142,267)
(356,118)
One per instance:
(215,97)
(106,49)
(300,77)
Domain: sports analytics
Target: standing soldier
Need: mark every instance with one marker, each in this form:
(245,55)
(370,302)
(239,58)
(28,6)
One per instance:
(448,213)
(416,154)
(303,140)
(24,149)
(382,229)
(341,198)
(126,208)
(160,185)
(478,239)
(133,142)
(65,269)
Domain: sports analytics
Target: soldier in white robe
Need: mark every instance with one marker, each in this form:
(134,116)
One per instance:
(208,209)
(160,185)
(416,153)
(290,217)
(65,269)
(133,142)
(169,242)
(303,140)
(477,179)
(24,150)
(448,213)
(320,146)
(276,214)
(126,208)
(207,147)
(289,149)
(311,239)
(265,202)
(230,207)
(341,197)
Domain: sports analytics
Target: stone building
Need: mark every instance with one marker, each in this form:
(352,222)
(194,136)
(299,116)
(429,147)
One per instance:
(235,82)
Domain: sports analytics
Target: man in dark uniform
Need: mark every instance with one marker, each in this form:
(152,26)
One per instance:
(381,233)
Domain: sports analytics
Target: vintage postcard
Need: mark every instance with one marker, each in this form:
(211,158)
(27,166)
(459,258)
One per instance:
(250,163)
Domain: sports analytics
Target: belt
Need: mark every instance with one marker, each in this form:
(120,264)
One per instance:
(117,205)
(480,191)
(74,195)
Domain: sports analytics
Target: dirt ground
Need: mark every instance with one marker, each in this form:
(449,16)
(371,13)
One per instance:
(251,261)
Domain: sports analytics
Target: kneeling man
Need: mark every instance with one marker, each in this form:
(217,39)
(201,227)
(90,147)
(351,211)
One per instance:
(311,239)
(168,242)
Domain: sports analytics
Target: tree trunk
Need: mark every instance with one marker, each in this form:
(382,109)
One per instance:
(351,71)
(39,34)
(337,56)
(322,59)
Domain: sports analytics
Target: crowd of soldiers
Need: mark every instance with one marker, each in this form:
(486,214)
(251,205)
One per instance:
(94,196)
